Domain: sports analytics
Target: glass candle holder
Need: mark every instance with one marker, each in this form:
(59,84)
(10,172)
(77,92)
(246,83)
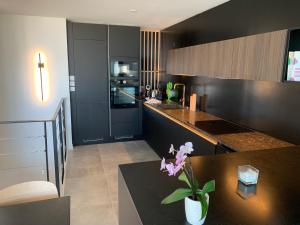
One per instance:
(248,174)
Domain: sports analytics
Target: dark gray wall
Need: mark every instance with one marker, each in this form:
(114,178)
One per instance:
(237,18)
(269,107)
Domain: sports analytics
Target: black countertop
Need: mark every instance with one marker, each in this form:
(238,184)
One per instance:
(277,199)
(237,141)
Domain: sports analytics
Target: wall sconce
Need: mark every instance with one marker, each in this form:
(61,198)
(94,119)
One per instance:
(41,76)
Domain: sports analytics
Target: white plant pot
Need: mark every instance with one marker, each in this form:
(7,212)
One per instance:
(193,211)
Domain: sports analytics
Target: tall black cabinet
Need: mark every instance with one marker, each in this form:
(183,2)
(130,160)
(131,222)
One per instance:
(124,42)
(90,49)
(88,62)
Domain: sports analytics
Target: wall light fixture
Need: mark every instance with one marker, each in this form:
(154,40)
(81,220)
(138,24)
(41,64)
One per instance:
(41,74)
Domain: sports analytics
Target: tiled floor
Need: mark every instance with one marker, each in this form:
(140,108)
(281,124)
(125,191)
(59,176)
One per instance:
(92,180)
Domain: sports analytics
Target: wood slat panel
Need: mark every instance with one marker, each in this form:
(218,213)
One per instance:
(150,60)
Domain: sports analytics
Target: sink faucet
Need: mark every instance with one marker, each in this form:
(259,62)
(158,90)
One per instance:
(183,92)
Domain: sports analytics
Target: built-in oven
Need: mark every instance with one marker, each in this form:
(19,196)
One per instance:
(124,67)
(123,92)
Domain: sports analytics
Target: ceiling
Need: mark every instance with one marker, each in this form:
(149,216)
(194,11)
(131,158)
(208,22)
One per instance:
(153,14)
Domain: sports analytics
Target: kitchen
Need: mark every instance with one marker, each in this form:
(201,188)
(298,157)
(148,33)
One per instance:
(224,79)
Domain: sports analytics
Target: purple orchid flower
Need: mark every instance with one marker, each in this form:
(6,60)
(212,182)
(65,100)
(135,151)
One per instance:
(180,157)
(187,148)
(172,149)
(171,169)
(163,164)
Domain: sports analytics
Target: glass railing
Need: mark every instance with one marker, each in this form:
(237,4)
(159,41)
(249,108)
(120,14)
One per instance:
(34,150)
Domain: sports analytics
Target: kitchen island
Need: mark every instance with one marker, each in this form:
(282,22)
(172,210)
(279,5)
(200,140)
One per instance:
(275,200)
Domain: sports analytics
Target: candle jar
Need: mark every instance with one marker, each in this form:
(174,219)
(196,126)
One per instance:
(248,175)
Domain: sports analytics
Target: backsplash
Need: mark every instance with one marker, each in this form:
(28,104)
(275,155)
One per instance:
(269,107)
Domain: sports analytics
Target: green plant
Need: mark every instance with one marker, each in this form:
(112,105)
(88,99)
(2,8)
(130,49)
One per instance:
(183,163)
(169,90)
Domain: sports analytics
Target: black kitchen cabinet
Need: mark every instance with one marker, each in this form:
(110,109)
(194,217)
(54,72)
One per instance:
(126,122)
(160,133)
(90,47)
(87,31)
(124,41)
(88,63)
(124,44)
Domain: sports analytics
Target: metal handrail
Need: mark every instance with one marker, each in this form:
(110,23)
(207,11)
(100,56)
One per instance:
(37,121)
(61,102)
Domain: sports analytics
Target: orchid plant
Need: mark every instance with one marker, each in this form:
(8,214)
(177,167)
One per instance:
(183,163)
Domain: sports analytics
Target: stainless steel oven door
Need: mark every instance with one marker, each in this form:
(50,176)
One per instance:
(123,96)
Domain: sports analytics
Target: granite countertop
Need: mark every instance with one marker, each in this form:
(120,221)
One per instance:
(240,142)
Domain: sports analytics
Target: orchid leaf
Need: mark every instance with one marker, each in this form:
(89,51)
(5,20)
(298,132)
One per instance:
(177,195)
(204,205)
(196,184)
(184,178)
(210,186)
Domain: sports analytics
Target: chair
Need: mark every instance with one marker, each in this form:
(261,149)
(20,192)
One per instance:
(27,192)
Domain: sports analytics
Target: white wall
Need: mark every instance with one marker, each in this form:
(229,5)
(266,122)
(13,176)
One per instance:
(20,38)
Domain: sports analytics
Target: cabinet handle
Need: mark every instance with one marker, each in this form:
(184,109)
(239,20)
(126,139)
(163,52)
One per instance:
(92,140)
(123,137)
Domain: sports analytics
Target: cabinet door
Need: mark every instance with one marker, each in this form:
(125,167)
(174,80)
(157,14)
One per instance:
(125,122)
(171,62)
(124,41)
(272,59)
(259,57)
(91,91)
(187,61)
(160,132)
(247,55)
(90,31)
(200,61)
(92,122)
(220,59)
(180,62)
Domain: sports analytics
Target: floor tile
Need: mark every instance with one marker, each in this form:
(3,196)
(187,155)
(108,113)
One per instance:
(92,179)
